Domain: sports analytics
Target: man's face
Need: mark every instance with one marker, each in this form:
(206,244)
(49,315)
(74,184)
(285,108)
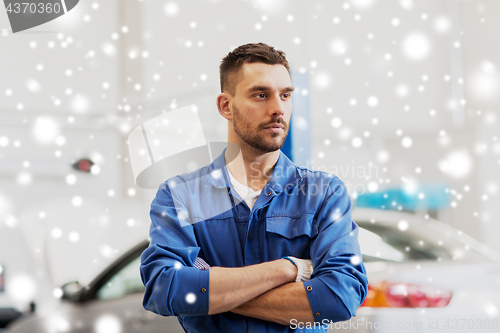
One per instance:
(262,106)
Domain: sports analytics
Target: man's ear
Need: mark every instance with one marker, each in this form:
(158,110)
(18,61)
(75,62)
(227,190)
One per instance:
(223,106)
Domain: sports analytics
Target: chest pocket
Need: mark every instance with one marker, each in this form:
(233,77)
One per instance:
(290,236)
(291,227)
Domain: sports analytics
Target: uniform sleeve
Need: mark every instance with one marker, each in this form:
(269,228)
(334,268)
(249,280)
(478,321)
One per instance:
(173,286)
(338,284)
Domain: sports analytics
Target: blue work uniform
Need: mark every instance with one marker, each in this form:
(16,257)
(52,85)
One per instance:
(300,213)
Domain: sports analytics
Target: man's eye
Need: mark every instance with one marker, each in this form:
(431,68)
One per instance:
(261,95)
(286,95)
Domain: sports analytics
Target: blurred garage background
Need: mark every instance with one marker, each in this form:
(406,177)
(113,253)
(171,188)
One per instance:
(399,98)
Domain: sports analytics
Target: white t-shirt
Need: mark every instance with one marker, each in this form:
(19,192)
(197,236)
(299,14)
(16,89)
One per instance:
(246,193)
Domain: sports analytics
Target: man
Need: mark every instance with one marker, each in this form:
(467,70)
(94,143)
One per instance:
(242,214)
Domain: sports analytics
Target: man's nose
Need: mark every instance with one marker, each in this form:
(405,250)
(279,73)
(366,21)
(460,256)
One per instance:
(276,106)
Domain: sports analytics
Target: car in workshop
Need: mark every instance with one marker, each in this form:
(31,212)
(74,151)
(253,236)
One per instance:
(419,269)
(424,276)
(111,303)
(7,314)
(17,287)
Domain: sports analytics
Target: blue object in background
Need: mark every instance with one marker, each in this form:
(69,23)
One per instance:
(2,278)
(297,146)
(287,146)
(432,197)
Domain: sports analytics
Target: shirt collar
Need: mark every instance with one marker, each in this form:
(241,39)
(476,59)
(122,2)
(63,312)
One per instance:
(286,175)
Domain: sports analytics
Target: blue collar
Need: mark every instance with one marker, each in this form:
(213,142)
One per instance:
(286,175)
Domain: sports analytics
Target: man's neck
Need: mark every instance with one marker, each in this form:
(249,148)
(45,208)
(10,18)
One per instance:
(250,167)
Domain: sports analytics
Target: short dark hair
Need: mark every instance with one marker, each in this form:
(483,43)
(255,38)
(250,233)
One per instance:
(248,53)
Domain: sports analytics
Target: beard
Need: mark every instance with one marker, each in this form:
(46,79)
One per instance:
(257,138)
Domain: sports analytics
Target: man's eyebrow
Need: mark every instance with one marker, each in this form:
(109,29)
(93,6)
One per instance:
(264,88)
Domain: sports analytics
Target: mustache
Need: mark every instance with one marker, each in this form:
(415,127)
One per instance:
(276,122)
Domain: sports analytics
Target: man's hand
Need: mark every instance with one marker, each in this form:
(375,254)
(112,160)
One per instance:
(200,263)
(304,268)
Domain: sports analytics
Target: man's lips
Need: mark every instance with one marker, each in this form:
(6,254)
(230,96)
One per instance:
(275,126)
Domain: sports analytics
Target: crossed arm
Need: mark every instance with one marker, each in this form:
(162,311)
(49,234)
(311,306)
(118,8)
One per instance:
(265,291)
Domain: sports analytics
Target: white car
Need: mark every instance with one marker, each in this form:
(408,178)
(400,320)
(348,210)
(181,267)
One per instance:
(412,263)
(424,276)
(112,302)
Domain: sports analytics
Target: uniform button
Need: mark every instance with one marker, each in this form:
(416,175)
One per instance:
(204,268)
(268,193)
(317,314)
(203,290)
(309,288)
